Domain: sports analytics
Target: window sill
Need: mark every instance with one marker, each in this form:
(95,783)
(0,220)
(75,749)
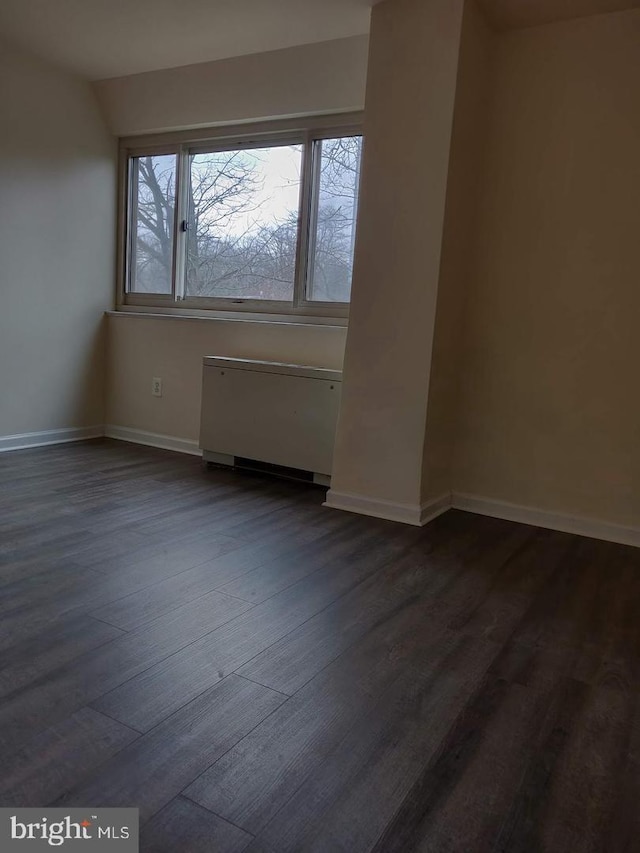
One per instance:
(228,316)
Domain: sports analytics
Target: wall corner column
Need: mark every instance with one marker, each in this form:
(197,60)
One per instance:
(411,92)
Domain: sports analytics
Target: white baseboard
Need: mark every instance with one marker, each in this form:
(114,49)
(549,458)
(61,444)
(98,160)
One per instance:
(415,514)
(48,436)
(580,525)
(152,439)
(433,508)
(421,515)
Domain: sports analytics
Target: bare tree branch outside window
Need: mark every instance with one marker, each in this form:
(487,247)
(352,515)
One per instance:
(243,218)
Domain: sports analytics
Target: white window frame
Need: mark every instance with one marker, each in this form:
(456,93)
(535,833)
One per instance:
(304,132)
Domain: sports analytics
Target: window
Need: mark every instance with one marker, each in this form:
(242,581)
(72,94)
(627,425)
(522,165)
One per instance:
(261,223)
(335,205)
(243,223)
(153,182)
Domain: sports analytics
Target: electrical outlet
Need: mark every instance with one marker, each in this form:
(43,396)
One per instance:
(156,386)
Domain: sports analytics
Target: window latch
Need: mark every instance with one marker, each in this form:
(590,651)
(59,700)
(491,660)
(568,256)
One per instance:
(185,225)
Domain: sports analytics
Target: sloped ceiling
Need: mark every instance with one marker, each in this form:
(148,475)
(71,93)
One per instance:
(111,38)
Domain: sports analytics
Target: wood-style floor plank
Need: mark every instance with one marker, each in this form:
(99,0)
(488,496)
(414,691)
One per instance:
(163,688)
(56,644)
(66,689)
(292,661)
(59,756)
(215,574)
(182,825)
(256,672)
(352,796)
(568,795)
(157,766)
(257,777)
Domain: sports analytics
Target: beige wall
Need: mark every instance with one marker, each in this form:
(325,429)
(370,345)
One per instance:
(57,203)
(411,86)
(549,415)
(468,148)
(325,77)
(172,349)
(516,14)
(492,348)
(311,79)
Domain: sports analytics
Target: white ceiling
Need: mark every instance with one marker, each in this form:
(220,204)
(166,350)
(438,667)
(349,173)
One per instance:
(112,38)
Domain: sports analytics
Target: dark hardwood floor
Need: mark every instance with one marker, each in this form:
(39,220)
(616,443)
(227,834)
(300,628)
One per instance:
(258,673)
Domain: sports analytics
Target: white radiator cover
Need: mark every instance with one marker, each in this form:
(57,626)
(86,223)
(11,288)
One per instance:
(283,414)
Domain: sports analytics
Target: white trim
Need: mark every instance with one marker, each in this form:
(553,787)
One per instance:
(433,508)
(48,436)
(415,514)
(219,458)
(303,132)
(209,315)
(323,124)
(152,439)
(579,525)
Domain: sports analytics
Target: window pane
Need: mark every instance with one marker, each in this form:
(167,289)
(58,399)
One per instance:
(334,221)
(153,183)
(243,223)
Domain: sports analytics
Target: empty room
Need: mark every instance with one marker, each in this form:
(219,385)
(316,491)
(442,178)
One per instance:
(319,445)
